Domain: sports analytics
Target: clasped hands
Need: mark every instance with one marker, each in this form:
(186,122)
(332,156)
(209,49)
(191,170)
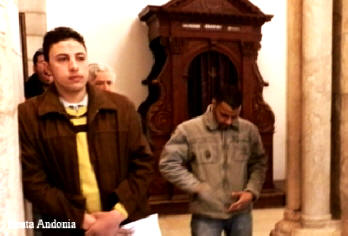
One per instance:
(104,223)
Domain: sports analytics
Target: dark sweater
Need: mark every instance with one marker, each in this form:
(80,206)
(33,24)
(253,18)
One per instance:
(33,86)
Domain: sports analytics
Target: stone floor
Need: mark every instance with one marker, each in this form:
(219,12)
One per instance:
(179,225)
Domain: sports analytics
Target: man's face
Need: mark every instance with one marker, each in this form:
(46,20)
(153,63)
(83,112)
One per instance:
(69,66)
(41,70)
(224,114)
(104,80)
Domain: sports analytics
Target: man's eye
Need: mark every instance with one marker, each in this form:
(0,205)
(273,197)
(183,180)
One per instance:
(61,59)
(81,58)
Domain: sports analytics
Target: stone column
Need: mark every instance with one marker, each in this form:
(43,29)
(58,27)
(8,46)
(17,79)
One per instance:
(291,219)
(316,111)
(316,117)
(11,93)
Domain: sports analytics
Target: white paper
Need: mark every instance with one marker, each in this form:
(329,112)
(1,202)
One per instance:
(145,227)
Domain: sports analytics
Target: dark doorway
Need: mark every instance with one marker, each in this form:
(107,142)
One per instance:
(207,72)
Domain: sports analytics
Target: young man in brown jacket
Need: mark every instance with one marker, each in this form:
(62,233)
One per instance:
(85,162)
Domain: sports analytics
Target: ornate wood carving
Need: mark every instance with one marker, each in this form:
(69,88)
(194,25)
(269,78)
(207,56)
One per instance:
(179,32)
(265,118)
(212,6)
(176,45)
(159,116)
(250,49)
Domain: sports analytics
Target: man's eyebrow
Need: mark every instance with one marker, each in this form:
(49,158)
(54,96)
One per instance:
(61,55)
(67,54)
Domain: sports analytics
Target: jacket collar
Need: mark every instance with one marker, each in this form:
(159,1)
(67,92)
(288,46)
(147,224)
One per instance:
(97,100)
(210,122)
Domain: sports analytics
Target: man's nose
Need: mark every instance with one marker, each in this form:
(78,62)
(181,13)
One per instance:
(229,121)
(73,64)
(106,86)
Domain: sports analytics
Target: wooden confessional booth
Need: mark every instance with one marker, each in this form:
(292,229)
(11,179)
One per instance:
(198,45)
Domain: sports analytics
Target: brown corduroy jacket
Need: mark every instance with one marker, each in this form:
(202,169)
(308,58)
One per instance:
(119,153)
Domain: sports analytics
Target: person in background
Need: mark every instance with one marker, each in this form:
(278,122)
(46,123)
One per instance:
(40,80)
(101,76)
(219,158)
(86,164)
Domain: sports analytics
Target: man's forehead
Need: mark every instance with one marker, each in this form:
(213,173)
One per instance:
(41,58)
(69,46)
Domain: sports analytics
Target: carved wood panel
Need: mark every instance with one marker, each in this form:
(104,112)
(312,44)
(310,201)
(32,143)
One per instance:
(179,32)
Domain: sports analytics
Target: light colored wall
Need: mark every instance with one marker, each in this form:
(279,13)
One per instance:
(11,93)
(272,64)
(116,37)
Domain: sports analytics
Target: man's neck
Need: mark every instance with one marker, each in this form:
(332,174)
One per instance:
(73,97)
(45,86)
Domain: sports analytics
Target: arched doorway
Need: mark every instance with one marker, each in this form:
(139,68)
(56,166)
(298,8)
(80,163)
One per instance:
(229,36)
(207,72)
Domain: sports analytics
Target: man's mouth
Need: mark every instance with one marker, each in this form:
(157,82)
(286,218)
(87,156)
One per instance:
(76,77)
(46,73)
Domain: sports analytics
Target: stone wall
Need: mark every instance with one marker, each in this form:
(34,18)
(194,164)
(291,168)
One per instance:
(11,93)
(317,117)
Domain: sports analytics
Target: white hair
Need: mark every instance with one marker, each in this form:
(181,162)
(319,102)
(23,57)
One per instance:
(95,68)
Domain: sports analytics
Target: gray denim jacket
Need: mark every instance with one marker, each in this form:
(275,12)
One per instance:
(223,161)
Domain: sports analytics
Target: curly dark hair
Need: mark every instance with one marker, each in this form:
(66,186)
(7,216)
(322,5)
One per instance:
(60,34)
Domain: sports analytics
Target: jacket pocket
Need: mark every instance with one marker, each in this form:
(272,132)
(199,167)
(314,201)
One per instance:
(206,163)
(241,151)
(206,154)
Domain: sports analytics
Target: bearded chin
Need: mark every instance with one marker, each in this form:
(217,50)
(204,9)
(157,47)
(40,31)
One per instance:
(224,127)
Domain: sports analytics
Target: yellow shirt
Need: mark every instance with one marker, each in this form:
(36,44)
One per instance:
(88,181)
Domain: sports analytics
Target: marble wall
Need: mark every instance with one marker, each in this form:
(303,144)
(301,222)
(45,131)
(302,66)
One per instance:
(11,93)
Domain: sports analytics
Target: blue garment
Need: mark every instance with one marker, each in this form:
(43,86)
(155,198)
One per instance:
(237,225)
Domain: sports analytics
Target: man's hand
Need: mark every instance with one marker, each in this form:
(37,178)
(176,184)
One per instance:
(244,198)
(124,232)
(88,220)
(107,224)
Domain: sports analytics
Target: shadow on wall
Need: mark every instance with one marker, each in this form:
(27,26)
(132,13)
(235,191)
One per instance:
(134,62)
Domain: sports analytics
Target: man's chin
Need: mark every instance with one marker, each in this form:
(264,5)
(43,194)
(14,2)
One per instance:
(224,127)
(47,82)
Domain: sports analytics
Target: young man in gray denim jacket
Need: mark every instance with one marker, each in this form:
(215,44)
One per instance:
(219,158)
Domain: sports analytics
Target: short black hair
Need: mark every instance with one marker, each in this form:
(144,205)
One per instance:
(38,53)
(60,34)
(230,94)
